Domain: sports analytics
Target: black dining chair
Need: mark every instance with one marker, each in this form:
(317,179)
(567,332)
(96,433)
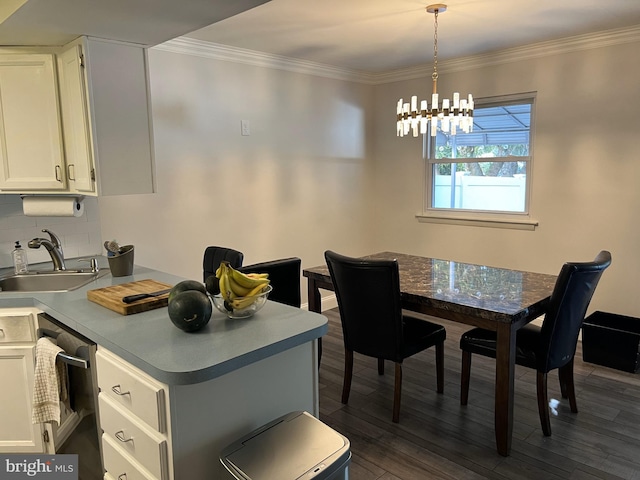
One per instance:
(284,276)
(373,324)
(550,346)
(211,261)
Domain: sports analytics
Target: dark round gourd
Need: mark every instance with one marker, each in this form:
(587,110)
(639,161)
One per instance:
(186,285)
(190,310)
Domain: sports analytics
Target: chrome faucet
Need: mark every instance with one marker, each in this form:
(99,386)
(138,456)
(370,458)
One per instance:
(53,246)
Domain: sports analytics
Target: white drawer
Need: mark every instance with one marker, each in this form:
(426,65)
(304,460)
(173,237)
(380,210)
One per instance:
(132,388)
(144,444)
(121,466)
(17,329)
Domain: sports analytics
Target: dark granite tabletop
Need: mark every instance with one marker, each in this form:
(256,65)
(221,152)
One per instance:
(482,291)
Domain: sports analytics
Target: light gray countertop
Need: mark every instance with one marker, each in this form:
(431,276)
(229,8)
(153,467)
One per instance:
(152,343)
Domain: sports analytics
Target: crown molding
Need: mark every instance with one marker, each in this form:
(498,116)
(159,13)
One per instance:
(536,50)
(189,46)
(216,51)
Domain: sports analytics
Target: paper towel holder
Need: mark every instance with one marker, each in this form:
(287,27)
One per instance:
(79,198)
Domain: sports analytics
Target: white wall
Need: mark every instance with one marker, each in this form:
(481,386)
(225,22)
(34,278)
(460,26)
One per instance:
(586,169)
(298,185)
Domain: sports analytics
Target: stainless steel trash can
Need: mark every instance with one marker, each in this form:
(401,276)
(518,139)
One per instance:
(294,446)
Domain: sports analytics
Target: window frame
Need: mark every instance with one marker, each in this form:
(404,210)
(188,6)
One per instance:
(491,218)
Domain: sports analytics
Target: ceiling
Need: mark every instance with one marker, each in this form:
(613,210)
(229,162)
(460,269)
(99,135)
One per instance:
(145,22)
(363,35)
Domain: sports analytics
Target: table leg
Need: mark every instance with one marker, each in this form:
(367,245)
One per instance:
(313,295)
(505,369)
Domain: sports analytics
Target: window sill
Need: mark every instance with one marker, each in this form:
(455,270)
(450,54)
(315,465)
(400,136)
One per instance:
(478,221)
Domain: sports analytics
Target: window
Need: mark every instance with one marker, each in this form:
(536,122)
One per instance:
(487,170)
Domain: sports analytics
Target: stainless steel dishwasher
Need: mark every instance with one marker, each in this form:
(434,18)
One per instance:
(79,430)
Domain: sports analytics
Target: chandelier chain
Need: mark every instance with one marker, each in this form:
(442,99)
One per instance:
(434,75)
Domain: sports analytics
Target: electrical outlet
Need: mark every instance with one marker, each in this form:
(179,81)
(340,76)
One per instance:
(245,127)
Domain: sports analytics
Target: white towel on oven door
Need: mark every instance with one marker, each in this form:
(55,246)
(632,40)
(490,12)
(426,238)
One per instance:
(49,384)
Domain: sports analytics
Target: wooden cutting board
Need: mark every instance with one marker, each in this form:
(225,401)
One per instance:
(111,297)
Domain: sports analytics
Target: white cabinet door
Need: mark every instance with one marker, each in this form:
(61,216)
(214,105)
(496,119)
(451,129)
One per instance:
(17,433)
(31,152)
(75,118)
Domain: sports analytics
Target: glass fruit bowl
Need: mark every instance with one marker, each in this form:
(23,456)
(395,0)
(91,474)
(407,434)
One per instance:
(242,307)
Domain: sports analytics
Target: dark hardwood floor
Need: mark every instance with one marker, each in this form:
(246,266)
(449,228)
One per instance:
(439,438)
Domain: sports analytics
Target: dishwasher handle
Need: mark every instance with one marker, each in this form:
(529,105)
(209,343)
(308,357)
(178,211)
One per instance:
(71,360)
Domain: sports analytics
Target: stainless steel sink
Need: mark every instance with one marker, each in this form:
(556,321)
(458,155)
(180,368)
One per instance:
(54,281)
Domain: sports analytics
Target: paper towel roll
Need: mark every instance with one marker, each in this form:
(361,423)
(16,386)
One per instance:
(52,206)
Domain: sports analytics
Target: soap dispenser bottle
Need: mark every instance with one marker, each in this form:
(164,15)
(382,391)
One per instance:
(20,262)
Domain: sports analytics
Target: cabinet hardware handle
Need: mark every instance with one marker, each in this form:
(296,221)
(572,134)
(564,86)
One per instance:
(120,436)
(117,390)
(71,167)
(2,332)
(122,476)
(58,173)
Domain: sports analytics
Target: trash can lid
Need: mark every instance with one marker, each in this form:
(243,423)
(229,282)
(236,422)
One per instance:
(296,445)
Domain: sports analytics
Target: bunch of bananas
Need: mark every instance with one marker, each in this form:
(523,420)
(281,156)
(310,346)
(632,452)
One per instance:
(239,289)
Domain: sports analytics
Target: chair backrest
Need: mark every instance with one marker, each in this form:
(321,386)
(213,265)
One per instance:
(568,305)
(368,293)
(284,276)
(214,255)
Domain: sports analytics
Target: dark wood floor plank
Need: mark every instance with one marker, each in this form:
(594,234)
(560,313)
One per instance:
(439,438)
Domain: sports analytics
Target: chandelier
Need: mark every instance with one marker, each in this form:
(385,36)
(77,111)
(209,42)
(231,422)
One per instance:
(450,116)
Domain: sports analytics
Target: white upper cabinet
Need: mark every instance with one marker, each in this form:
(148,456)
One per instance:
(31,148)
(99,112)
(107,117)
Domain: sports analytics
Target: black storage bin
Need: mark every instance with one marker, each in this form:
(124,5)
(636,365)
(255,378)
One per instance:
(612,341)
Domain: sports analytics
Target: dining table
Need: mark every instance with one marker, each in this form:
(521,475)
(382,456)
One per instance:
(497,299)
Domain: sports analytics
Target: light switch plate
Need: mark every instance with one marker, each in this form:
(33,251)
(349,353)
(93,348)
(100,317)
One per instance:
(245,127)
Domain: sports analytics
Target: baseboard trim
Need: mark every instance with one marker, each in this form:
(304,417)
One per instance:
(328,302)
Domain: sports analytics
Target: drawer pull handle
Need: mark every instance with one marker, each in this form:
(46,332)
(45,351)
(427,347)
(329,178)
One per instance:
(120,436)
(2,332)
(117,390)
(122,476)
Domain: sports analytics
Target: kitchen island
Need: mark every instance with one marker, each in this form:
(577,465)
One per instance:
(220,382)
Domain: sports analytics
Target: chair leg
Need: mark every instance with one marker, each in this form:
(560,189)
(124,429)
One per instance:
(563,384)
(440,366)
(566,375)
(381,366)
(465,377)
(396,393)
(348,373)
(543,403)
